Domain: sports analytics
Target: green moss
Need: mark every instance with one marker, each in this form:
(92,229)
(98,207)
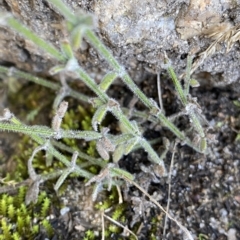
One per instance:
(48,227)
(89,235)
(18,219)
(104,205)
(114,228)
(119,211)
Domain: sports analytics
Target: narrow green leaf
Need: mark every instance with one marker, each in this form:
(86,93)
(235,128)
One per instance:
(56,69)
(27,33)
(64,10)
(194,83)
(76,37)
(107,81)
(98,116)
(178,86)
(67,49)
(153,155)
(29,130)
(121,173)
(130,144)
(118,153)
(196,124)
(203,145)
(86,135)
(187,77)
(96,102)
(62,178)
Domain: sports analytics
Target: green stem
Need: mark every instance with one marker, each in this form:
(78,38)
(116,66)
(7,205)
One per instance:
(64,10)
(91,84)
(117,112)
(27,33)
(82,155)
(47,132)
(187,77)
(53,151)
(97,44)
(176,131)
(45,83)
(93,39)
(178,86)
(153,155)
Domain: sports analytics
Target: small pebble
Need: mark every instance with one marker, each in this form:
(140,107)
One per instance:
(231,235)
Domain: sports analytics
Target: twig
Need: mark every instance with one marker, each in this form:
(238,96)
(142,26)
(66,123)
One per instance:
(120,198)
(160,92)
(169,187)
(103,227)
(185,231)
(14,187)
(120,225)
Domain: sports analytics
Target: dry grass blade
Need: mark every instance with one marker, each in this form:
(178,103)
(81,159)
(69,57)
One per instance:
(120,225)
(187,234)
(225,34)
(169,187)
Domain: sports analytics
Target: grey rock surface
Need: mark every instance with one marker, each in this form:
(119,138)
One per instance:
(138,33)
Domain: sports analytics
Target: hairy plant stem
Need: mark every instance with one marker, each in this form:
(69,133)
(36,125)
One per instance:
(47,132)
(53,151)
(43,82)
(117,112)
(27,33)
(99,46)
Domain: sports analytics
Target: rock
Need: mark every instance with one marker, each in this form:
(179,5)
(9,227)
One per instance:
(231,234)
(138,33)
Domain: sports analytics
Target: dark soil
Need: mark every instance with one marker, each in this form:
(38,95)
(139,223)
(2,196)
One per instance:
(205,193)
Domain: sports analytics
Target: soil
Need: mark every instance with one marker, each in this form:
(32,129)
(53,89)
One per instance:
(205,192)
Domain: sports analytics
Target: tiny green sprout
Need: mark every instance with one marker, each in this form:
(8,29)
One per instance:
(20,224)
(89,235)
(5,227)
(45,207)
(118,153)
(236,103)
(98,116)
(3,206)
(113,196)
(67,49)
(118,212)
(107,81)
(202,236)
(194,83)
(16,236)
(35,229)
(130,144)
(48,227)
(103,205)
(67,172)
(237,137)
(11,211)
(114,229)
(107,233)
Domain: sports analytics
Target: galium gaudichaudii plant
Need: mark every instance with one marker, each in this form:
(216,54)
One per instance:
(81,26)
